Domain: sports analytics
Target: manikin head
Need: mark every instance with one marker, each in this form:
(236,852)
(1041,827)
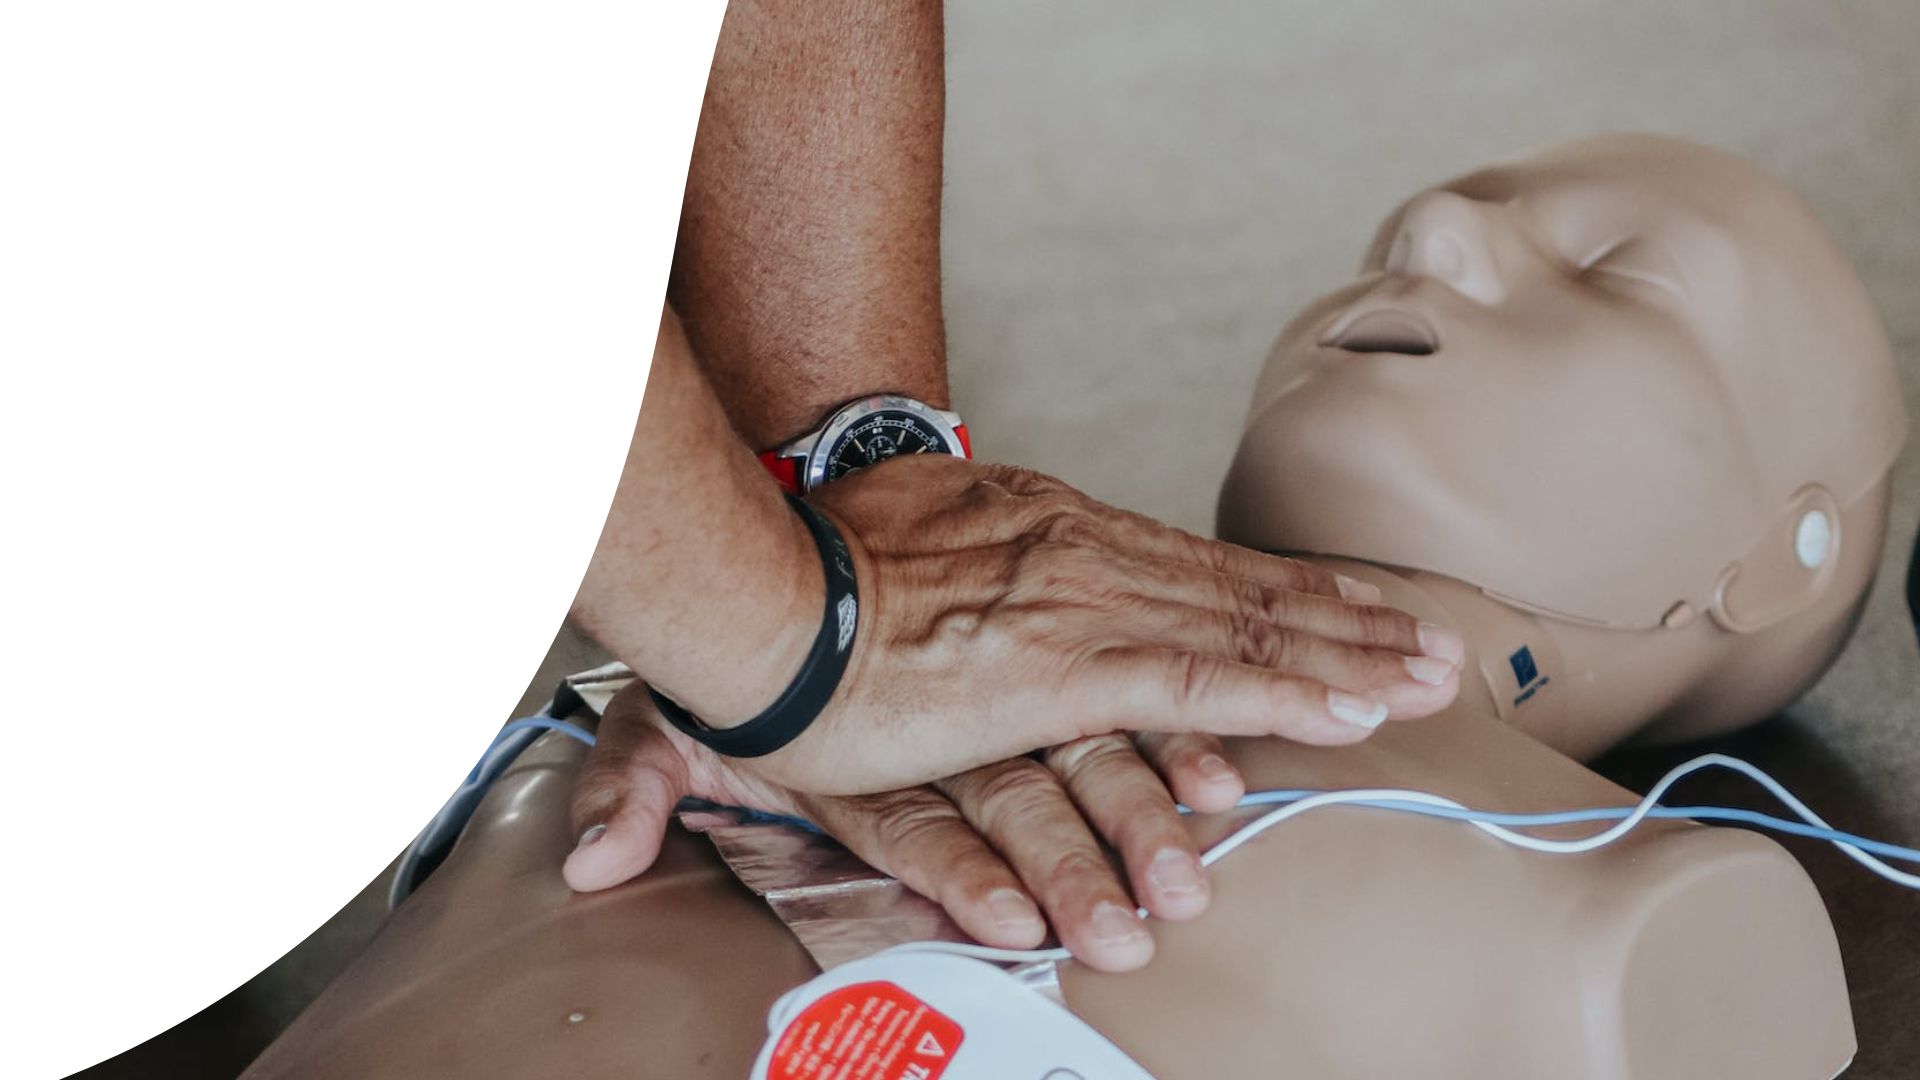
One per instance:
(1625,382)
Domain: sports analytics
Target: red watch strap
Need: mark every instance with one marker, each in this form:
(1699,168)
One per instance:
(966,444)
(786,470)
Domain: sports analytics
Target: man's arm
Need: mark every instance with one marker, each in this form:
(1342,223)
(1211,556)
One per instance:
(701,566)
(808,268)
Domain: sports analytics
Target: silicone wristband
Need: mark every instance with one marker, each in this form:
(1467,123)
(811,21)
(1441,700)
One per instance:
(797,707)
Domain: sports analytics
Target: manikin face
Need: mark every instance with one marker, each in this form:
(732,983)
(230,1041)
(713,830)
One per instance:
(1585,380)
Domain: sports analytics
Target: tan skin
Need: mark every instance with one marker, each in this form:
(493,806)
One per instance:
(1002,611)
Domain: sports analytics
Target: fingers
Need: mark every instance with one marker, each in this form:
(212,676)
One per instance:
(1022,810)
(1128,804)
(622,802)
(1195,770)
(1409,685)
(1182,690)
(919,837)
(1356,623)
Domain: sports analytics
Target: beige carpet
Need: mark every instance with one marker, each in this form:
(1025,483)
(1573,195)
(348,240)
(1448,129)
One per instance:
(1139,193)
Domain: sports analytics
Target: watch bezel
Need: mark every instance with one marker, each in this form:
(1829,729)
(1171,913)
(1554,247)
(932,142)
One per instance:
(821,455)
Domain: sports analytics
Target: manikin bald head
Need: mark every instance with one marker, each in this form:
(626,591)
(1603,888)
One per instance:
(1613,381)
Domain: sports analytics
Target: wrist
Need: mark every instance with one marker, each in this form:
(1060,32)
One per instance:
(817,680)
(752,629)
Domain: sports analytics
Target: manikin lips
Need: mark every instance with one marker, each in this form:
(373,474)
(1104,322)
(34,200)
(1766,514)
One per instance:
(1386,331)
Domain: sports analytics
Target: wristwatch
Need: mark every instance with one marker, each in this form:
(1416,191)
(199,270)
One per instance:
(865,432)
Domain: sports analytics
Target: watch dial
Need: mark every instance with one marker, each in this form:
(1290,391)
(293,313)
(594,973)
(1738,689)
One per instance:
(886,434)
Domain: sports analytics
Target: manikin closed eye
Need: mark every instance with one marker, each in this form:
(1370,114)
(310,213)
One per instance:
(1637,260)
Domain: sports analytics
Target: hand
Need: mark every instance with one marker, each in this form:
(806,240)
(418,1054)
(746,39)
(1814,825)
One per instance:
(1002,610)
(984,845)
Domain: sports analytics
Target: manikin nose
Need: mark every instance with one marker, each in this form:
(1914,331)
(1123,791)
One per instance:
(1454,240)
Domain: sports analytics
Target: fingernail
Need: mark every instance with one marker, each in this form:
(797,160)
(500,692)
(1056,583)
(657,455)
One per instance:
(1443,643)
(1354,709)
(1012,909)
(1115,925)
(1176,873)
(1429,669)
(591,836)
(1360,592)
(1215,769)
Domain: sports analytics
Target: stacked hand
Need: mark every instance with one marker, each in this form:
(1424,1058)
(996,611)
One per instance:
(1004,612)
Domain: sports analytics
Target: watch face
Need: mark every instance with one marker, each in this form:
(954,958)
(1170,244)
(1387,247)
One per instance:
(887,433)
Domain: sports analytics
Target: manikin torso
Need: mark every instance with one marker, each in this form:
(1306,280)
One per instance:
(1613,463)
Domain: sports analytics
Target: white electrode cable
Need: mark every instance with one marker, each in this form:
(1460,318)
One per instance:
(1414,801)
(1287,804)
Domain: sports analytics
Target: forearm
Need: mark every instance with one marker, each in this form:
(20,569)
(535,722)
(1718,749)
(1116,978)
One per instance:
(808,266)
(704,581)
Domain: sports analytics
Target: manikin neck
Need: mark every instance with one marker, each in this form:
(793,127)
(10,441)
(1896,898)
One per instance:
(1580,688)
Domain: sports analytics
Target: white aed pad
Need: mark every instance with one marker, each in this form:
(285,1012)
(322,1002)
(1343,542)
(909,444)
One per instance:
(909,1014)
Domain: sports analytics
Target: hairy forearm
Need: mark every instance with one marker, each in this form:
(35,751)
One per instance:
(808,265)
(704,581)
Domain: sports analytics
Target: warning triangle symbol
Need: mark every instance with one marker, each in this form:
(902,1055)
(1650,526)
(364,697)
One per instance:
(929,1047)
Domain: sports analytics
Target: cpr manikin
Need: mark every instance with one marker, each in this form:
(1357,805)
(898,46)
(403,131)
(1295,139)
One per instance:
(1620,412)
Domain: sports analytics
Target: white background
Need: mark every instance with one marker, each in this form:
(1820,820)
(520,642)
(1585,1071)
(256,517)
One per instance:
(323,330)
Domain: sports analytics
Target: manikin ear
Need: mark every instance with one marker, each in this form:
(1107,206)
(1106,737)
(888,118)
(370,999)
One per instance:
(1787,570)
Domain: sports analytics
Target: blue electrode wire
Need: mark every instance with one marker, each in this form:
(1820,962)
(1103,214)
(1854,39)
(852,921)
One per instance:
(1446,809)
(433,841)
(1286,804)
(1881,848)
(1291,803)
(530,723)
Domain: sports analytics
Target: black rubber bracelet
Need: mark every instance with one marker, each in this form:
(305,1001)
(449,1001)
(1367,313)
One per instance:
(796,708)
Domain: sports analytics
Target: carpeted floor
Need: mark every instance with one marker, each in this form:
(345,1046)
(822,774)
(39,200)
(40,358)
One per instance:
(1140,193)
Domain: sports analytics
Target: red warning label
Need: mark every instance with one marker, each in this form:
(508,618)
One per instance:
(867,1031)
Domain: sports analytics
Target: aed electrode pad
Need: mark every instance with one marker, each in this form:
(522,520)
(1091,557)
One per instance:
(909,1014)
